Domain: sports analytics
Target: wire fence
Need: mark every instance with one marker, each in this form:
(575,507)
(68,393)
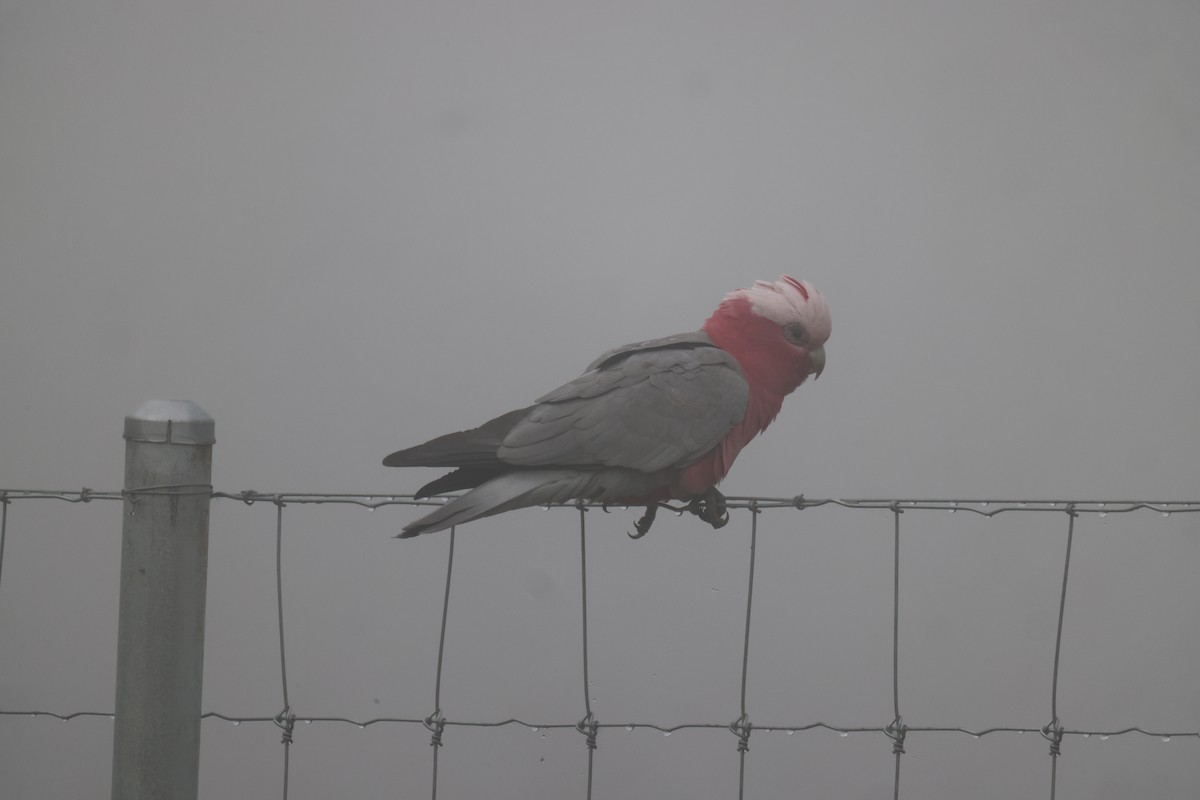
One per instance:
(896,730)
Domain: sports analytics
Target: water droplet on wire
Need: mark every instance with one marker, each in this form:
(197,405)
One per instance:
(628,727)
(843,734)
(1104,737)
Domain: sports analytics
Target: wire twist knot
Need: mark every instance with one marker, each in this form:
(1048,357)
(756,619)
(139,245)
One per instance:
(435,723)
(896,730)
(798,502)
(589,727)
(1053,733)
(286,721)
(742,727)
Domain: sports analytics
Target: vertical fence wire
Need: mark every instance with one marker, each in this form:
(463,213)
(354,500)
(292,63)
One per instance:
(3,528)
(285,719)
(435,723)
(896,730)
(741,726)
(1053,732)
(588,726)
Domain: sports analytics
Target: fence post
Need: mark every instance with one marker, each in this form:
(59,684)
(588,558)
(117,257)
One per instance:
(160,637)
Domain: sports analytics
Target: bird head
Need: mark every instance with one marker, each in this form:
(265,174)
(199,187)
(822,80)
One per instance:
(776,330)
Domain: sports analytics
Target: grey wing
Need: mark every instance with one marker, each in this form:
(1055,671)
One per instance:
(652,406)
(682,341)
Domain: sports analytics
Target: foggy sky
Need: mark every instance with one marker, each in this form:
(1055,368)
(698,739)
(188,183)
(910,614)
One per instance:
(345,228)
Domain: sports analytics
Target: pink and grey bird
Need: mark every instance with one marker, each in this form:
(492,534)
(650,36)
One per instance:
(645,423)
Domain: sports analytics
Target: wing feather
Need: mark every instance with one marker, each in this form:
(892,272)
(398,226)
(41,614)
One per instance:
(655,405)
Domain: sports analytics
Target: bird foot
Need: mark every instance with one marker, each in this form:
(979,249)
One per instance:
(710,507)
(643,524)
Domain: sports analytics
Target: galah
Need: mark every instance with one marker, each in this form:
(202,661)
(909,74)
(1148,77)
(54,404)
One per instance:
(645,423)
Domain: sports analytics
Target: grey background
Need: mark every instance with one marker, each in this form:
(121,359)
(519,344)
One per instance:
(345,228)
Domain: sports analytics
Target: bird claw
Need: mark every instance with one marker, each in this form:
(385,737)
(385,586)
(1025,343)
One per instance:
(643,524)
(710,507)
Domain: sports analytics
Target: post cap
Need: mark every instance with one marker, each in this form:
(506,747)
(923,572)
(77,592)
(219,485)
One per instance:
(171,421)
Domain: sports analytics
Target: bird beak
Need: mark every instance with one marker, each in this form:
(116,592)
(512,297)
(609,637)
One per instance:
(816,361)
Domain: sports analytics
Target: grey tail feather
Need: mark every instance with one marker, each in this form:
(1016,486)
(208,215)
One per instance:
(461,478)
(475,447)
(503,493)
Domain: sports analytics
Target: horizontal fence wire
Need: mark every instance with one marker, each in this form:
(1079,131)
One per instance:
(983,507)
(896,730)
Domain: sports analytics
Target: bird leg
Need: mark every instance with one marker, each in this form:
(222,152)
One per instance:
(643,524)
(710,507)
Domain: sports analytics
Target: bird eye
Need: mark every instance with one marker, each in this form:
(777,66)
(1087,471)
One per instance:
(795,333)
